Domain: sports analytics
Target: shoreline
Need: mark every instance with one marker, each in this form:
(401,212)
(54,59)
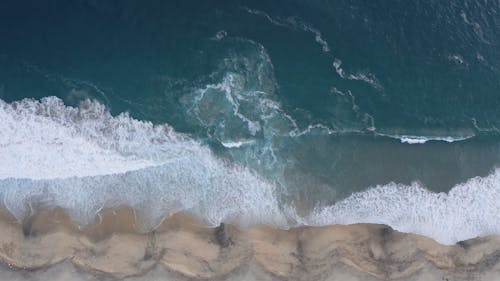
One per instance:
(185,246)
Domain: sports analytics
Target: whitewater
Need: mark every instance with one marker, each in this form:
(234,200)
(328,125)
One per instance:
(84,159)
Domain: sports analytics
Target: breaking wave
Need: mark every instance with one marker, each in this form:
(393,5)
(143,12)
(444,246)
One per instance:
(84,159)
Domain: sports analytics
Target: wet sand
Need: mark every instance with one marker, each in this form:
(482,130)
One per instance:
(49,246)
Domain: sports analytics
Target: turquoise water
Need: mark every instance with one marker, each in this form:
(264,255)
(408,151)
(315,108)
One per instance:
(317,100)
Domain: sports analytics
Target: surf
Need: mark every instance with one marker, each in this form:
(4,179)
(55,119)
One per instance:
(85,160)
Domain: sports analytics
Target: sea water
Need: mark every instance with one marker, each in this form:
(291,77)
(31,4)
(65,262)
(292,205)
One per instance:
(254,112)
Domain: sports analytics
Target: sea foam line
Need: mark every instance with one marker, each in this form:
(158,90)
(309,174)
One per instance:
(294,23)
(416,139)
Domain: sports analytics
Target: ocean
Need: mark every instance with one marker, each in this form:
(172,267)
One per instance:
(283,113)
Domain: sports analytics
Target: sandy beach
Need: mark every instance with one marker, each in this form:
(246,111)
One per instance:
(249,140)
(50,246)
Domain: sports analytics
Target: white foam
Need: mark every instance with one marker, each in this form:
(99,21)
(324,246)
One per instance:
(297,22)
(469,210)
(221,34)
(266,16)
(37,143)
(456,58)
(242,106)
(231,86)
(363,76)
(158,172)
(337,64)
(83,159)
(366,77)
(234,144)
(414,139)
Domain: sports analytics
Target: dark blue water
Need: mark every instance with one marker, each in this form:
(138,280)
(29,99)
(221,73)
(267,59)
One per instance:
(320,98)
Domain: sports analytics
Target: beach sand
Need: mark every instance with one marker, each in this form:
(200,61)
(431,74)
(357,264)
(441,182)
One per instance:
(49,246)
